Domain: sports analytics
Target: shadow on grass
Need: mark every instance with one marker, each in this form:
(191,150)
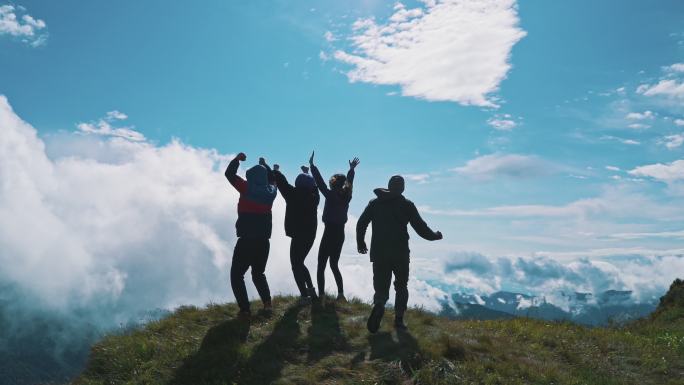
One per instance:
(268,358)
(218,357)
(325,334)
(405,349)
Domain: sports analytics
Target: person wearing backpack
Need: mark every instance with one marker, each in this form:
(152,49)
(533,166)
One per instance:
(253,227)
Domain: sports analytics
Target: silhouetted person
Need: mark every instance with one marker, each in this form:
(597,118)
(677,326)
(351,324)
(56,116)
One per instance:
(390,213)
(253,229)
(301,221)
(337,199)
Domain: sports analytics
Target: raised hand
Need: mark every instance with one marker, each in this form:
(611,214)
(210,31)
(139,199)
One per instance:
(241,157)
(353,163)
(362,248)
(276,167)
(311,160)
(305,169)
(439,235)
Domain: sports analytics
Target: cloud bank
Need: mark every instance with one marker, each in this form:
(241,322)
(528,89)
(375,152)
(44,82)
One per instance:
(112,225)
(448,50)
(646,276)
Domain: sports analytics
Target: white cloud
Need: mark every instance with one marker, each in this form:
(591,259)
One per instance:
(612,168)
(329,37)
(677,67)
(673,141)
(419,178)
(26,27)
(116,226)
(666,87)
(104,128)
(487,167)
(502,122)
(647,276)
(448,50)
(630,142)
(323,56)
(669,172)
(640,115)
(116,115)
(639,126)
(679,122)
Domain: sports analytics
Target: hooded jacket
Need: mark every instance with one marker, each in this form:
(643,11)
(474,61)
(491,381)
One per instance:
(390,213)
(336,204)
(256,199)
(301,211)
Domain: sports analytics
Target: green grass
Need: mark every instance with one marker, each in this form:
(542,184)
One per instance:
(330,345)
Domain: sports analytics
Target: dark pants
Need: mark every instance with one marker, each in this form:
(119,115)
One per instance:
(331,248)
(249,253)
(382,277)
(299,249)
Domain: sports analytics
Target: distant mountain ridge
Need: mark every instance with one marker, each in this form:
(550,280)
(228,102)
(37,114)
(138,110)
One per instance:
(611,306)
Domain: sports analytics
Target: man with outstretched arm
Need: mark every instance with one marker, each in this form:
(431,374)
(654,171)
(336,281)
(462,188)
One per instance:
(253,227)
(390,213)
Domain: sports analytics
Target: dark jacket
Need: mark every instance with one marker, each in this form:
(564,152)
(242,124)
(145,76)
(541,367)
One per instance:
(256,199)
(390,213)
(336,204)
(301,212)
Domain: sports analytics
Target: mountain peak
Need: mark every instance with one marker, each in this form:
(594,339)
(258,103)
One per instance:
(329,344)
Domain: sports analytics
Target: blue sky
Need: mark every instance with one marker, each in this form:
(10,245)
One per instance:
(525,128)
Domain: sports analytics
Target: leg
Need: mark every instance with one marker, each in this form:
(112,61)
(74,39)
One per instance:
(382,275)
(322,261)
(400,269)
(259,258)
(336,250)
(297,262)
(308,244)
(238,269)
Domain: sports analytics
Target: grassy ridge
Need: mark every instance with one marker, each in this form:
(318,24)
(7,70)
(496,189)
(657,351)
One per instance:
(325,345)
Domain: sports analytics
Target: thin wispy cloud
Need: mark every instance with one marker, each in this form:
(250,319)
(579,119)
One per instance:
(488,167)
(447,50)
(104,127)
(502,122)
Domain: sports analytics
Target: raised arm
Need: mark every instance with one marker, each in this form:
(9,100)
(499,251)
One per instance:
(361,227)
(269,172)
(350,174)
(232,176)
(420,226)
(318,178)
(285,188)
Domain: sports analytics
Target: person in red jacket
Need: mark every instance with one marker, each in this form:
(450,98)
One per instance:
(254,225)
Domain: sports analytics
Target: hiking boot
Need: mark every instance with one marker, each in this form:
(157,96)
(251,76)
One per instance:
(312,294)
(268,307)
(399,324)
(341,297)
(244,314)
(375,317)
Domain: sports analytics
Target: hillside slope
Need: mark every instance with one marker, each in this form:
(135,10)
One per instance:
(304,345)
